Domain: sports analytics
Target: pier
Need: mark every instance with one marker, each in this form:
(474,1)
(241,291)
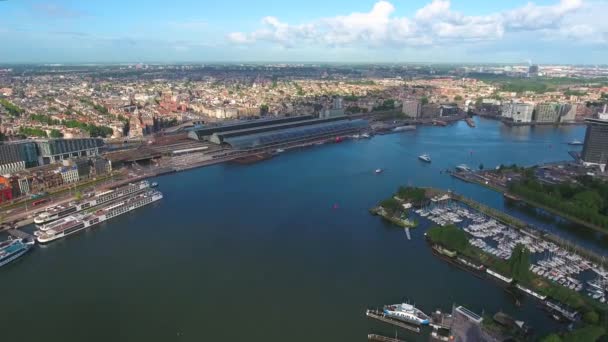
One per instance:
(19,234)
(376,337)
(379,316)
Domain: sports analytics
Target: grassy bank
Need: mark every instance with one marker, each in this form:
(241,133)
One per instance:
(395,209)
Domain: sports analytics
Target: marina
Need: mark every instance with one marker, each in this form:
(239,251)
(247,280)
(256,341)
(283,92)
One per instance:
(550,261)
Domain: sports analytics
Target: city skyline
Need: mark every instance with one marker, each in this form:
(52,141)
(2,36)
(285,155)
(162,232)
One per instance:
(438,31)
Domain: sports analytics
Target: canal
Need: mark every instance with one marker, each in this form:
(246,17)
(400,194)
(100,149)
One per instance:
(280,250)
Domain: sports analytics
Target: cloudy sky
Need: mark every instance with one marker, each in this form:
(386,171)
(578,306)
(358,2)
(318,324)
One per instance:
(514,31)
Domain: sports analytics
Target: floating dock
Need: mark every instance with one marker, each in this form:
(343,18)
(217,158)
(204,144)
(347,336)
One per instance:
(379,316)
(376,337)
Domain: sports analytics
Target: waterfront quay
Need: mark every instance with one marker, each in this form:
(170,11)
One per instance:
(358,260)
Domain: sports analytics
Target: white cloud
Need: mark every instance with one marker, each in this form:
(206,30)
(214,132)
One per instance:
(239,38)
(434,23)
(190,25)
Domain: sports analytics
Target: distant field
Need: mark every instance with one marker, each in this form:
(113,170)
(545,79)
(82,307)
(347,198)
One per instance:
(538,84)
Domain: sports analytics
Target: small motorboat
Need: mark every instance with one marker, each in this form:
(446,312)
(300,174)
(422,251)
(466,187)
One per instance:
(425,158)
(379,171)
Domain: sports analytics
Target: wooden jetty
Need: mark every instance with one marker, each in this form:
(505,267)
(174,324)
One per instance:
(376,337)
(379,316)
(19,234)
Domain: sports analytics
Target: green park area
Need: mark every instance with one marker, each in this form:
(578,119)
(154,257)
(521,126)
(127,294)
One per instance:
(396,208)
(583,201)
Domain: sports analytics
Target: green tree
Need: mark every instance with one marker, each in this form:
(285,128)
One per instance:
(588,333)
(457,98)
(519,263)
(424,101)
(12,109)
(391,205)
(264,109)
(451,237)
(552,338)
(56,134)
(591,317)
(32,132)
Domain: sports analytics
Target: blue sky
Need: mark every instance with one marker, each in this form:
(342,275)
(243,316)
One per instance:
(544,31)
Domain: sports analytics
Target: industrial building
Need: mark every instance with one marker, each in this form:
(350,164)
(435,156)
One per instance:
(261,133)
(595,149)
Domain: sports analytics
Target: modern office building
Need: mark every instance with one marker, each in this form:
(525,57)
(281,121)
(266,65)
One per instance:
(533,70)
(520,112)
(55,150)
(412,108)
(595,149)
(547,112)
(20,155)
(17,156)
(568,112)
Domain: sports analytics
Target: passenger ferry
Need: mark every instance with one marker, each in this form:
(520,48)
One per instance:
(75,223)
(406,313)
(11,250)
(63,210)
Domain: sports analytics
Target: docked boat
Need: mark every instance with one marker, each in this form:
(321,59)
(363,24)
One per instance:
(279,150)
(425,158)
(12,249)
(154,185)
(463,168)
(64,210)
(575,142)
(77,222)
(404,128)
(406,313)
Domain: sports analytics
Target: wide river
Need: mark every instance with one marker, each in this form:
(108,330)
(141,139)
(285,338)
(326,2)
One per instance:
(282,250)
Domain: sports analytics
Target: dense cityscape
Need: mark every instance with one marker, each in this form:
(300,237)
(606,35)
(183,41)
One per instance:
(429,171)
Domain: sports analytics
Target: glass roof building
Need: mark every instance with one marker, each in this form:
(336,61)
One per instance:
(205,133)
(305,131)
